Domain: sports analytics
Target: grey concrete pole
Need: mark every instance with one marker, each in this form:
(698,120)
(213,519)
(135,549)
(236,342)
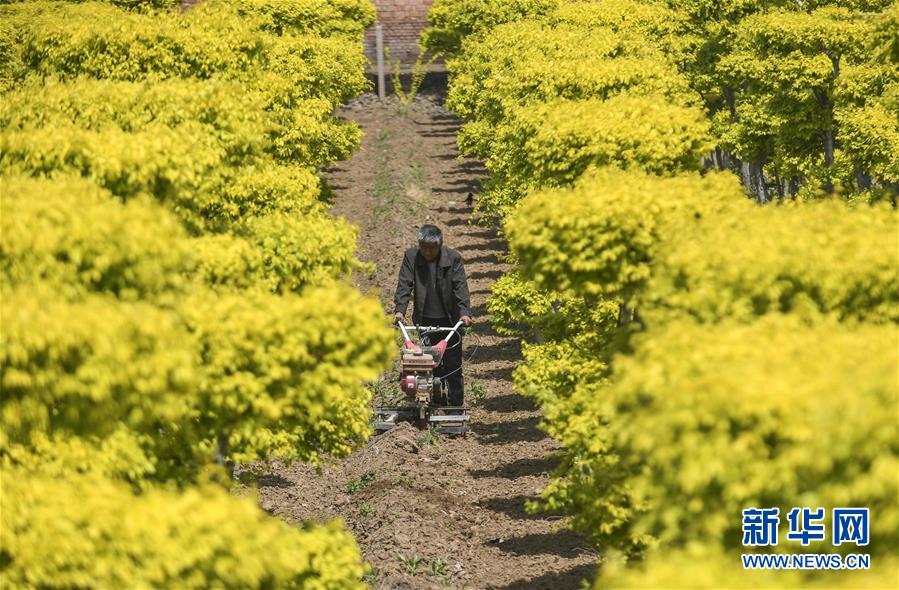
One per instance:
(379,48)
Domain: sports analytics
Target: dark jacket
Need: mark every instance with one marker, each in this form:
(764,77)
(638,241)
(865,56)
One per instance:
(452,284)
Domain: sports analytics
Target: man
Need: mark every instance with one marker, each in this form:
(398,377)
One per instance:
(434,274)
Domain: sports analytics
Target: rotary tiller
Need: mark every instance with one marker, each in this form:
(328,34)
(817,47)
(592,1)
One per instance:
(422,389)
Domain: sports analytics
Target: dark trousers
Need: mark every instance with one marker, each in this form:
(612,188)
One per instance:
(450,370)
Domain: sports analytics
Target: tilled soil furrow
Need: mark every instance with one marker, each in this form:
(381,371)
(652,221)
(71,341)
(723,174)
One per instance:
(457,504)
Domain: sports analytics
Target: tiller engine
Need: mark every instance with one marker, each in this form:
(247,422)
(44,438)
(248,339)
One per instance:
(422,389)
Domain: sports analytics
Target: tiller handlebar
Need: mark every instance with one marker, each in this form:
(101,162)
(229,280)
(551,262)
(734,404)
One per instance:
(440,346)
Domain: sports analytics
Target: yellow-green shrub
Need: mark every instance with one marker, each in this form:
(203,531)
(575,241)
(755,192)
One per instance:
(265,189)
(284,374)
(783,77)
(85,368)
(229,262)
(703,421)
(530,62)
(142,4)
(239,116)
(171,166)
(601,236)
(307,66)
(273,374)
(870,134)
(88,532)
(451,21)
(578,353)
(324,17)
(98,385)
(71,235)
(223,108)
(515,303)
(176,137)
(198,147)
(521,88)
(659,22)
(121,454)
(694,421)
(852,274)
(300,250)
(562,138)
(553,143)
(884,37)
(309,135)
(572,339)
(177,166)
(71,40)
(132,350)
(75,39)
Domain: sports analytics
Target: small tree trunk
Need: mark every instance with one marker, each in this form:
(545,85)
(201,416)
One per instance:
(763,185)
(720,158)
(828,147)
(756,182)
(827,106)
(221,454)
(731,100)
(862,179)
(624,314)
(746,176)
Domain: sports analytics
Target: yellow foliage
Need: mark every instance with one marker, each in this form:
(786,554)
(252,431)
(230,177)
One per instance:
(644,132)
(325,17)
(658,21)
(853,273)
(453,20)
(272,374)
(285,374)
(545,98)
(702,421)
(88,532)
(552,144)
(689,351)
(601,236)
(871,133)
(85,368)
(74,39)
(529,62)
(301,250)
(69,233)
(168,288)
(515,303)
(189,144)
(122,454)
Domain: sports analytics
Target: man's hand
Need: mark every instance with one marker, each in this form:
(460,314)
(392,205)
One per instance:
(466,319)
(399,316)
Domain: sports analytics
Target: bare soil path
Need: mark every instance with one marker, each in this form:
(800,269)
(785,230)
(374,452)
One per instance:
(447,512)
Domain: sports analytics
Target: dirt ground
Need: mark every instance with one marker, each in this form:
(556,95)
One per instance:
(447,512)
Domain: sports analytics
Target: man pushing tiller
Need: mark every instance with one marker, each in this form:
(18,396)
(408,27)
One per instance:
(434,276)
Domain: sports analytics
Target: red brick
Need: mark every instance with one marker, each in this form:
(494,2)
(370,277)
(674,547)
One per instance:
(403,21)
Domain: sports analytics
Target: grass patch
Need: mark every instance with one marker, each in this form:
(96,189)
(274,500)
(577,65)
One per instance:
(360,483)
(365,509)
(429,437)
(409,563)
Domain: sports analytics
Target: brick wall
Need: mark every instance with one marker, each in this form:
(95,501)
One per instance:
(403,21)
